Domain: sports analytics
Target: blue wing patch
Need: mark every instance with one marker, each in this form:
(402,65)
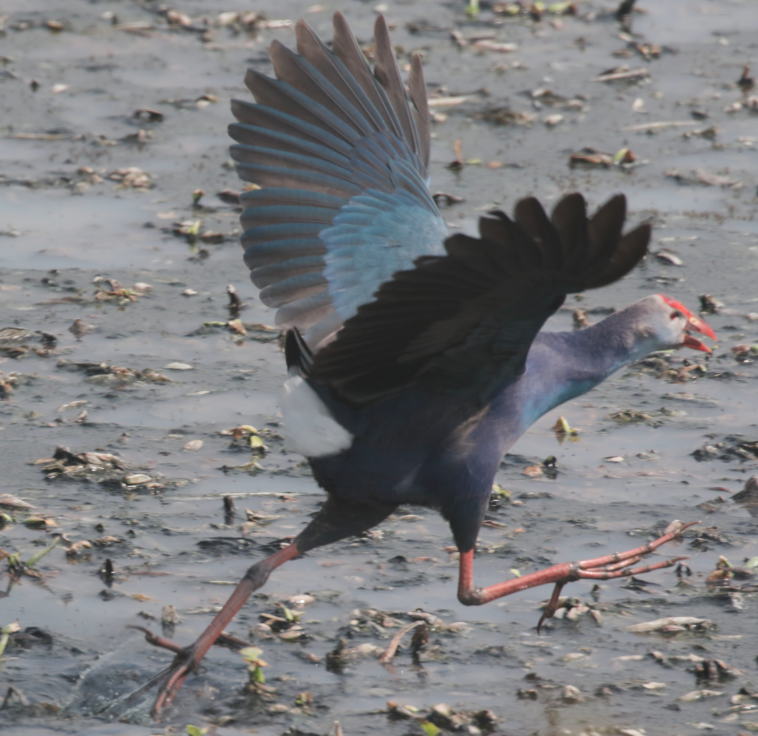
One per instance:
(374,236)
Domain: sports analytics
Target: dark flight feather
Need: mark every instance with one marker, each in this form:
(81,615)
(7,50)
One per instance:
(465,321)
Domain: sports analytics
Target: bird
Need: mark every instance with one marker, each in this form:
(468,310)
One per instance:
(415,356)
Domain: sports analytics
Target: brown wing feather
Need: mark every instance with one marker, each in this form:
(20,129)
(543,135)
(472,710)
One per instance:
(347,50)
(417,87)
(386,71)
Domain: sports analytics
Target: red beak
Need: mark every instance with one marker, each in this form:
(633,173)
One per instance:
(693,323)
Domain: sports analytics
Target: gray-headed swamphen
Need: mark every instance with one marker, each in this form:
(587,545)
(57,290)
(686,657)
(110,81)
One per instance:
(416,357)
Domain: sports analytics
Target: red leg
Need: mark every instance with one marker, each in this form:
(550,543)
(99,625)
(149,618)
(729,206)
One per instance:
(188,658)
(336,520)
(602,568)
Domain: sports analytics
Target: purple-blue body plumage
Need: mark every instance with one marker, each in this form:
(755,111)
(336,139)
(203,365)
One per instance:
(416,448)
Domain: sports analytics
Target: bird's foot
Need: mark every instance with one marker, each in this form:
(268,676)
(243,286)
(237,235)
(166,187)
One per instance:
(186,661)
(618,565)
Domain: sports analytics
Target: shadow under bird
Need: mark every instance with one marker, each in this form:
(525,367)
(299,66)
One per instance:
(415,357)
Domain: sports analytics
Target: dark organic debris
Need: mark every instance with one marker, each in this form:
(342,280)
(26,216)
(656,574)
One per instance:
(131,177)
(744,353)
(75,466)
(248,21)
(105,374)
(106,572)
(342,656)
(77,182)
(709,304)
(534,10)
(732,447)
(423,26)
(252,330)
(32,636)
(699,176)
(9,382)
(709,134)
(505,116)
(748,496)
(746,83)
(420,639)
(192,103)
(580,319)
(79,328)
(673,625)
(152,116)
(14,342)
(111,290)
(235,303)
(673,367)
(726,574)
(228,545)
(543,97)
(442,717)
(647,51)
(192,232)
(589,157)
(140,137)
(229,196)
(623,74)
(635,416)
(228,510)
(448,199)
(624,8)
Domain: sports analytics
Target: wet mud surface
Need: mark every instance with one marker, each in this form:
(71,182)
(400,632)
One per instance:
(118,342)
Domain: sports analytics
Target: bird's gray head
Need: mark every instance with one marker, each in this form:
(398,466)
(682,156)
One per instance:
(662,323)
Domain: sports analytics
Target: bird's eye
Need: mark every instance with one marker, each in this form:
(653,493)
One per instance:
(675,315)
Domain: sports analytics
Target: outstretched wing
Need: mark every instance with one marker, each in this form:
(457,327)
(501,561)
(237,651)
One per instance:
(341,157)
(464,322)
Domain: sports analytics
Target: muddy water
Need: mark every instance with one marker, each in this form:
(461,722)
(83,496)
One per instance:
(171,544)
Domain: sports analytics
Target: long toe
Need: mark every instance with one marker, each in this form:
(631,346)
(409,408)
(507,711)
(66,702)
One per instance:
(613,571)
(617,564)
(608,567)
(169,689)
(185,662)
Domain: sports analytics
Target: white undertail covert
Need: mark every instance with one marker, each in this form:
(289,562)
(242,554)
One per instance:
(309,426)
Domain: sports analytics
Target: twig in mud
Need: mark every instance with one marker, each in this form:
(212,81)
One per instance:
(615,76)
(662,124)
(14,692)
(389,652)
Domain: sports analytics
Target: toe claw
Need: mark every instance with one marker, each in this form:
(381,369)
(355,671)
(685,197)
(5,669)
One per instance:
(551,607)
(184,663)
